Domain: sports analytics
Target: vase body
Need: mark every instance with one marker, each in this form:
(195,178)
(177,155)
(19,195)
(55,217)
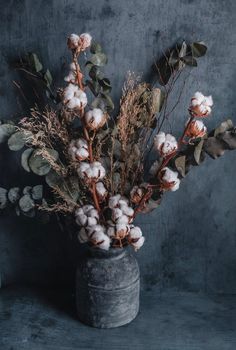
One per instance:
(107,288)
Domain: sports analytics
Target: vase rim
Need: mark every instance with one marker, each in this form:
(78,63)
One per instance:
(110,253)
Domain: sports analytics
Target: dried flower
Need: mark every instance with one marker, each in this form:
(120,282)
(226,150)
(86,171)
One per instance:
(196,129)
(166,144)
(200,105)
(85,40)
(101,191)
(95,119)
(169,180)
(74,97)
(91,171)
(78,149)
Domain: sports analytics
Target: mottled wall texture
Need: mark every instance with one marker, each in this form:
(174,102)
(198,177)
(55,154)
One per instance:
(191,238)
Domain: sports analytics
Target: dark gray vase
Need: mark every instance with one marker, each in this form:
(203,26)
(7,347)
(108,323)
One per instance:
(107,288)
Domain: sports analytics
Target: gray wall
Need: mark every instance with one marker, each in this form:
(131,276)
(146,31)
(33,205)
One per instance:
(190,239)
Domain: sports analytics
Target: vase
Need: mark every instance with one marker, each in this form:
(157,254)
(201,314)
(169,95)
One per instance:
(107,288)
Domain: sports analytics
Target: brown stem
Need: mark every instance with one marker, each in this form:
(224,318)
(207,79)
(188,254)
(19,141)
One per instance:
(86,133)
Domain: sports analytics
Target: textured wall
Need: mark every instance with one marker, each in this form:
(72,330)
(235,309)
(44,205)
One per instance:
(191,237)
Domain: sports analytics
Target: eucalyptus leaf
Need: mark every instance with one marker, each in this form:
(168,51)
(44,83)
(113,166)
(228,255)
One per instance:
(214,147)
(39,165)
(98,59)
(37,192)
(180,165)
(48,78)
(199,49)
(190,61)
(26,203)
(198,152)
(226,125)
(3,198)
(35,62)
(95,47)
(6,130)
(25,157)
(53,179)
(27,190)
(14,194)
(17,141)
(229,137)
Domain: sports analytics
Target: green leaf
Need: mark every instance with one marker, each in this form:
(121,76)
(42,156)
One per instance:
(3,198)
(226,125)
(17,141)
(48,78)
(27,190)
(25,157)
(180,165)
(6,130)
(37,192)
(199,49)
(35,62)
(214,147)
(98,59)
(39,165)
(108,100)
(26,203)
(53,179)
(14,194)
(198,152)
(190,61)
(229,137)
(94,86)
(95,47)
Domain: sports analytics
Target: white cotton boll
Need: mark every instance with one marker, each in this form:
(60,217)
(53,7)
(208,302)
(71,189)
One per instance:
(111,231)
(91,221)
(122,230)
(85,40)
(69,92)
(123,201)
(71,77)
(95,119)
(123,220)
(93,213)
(82,153)
(86,208)
(81,219)
(114,201)
(127,210)
(101,189)
(97,236)
(169,175)
(137,245)
(95,228)
(105,243)
(159,139)
(101,170)
(165,143)
(73,41)
(176,185)
(197,98)
(154,168)
(135,232)
(208,101)
(79,211)
(74,97)
(82,169)
(116,213)
(82,236)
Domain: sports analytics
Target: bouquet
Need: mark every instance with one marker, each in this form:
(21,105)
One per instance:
(96,166)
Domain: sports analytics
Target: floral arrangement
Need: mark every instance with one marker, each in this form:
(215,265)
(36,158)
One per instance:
(95,166)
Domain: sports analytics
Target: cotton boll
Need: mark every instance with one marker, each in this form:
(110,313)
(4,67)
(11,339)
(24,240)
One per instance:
(135,232)
(169,180)
(123,220)
(196,128)
(85,40)
(111,231)
(200,105)
(95,228)
(78,150)
(116,213)
(166,144)
(82,236)
(127,210)
(79,211)
(87,208)
(81,219)
(73,97)
(105,243)
(139,243)
(95,119)
(122,230)
(73,41)
(114,201)
(92,221)
(123,201)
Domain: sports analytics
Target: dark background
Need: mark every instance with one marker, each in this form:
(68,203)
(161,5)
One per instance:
(190,240)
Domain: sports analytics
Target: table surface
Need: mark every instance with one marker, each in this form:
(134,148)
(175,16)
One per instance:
(40,319)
